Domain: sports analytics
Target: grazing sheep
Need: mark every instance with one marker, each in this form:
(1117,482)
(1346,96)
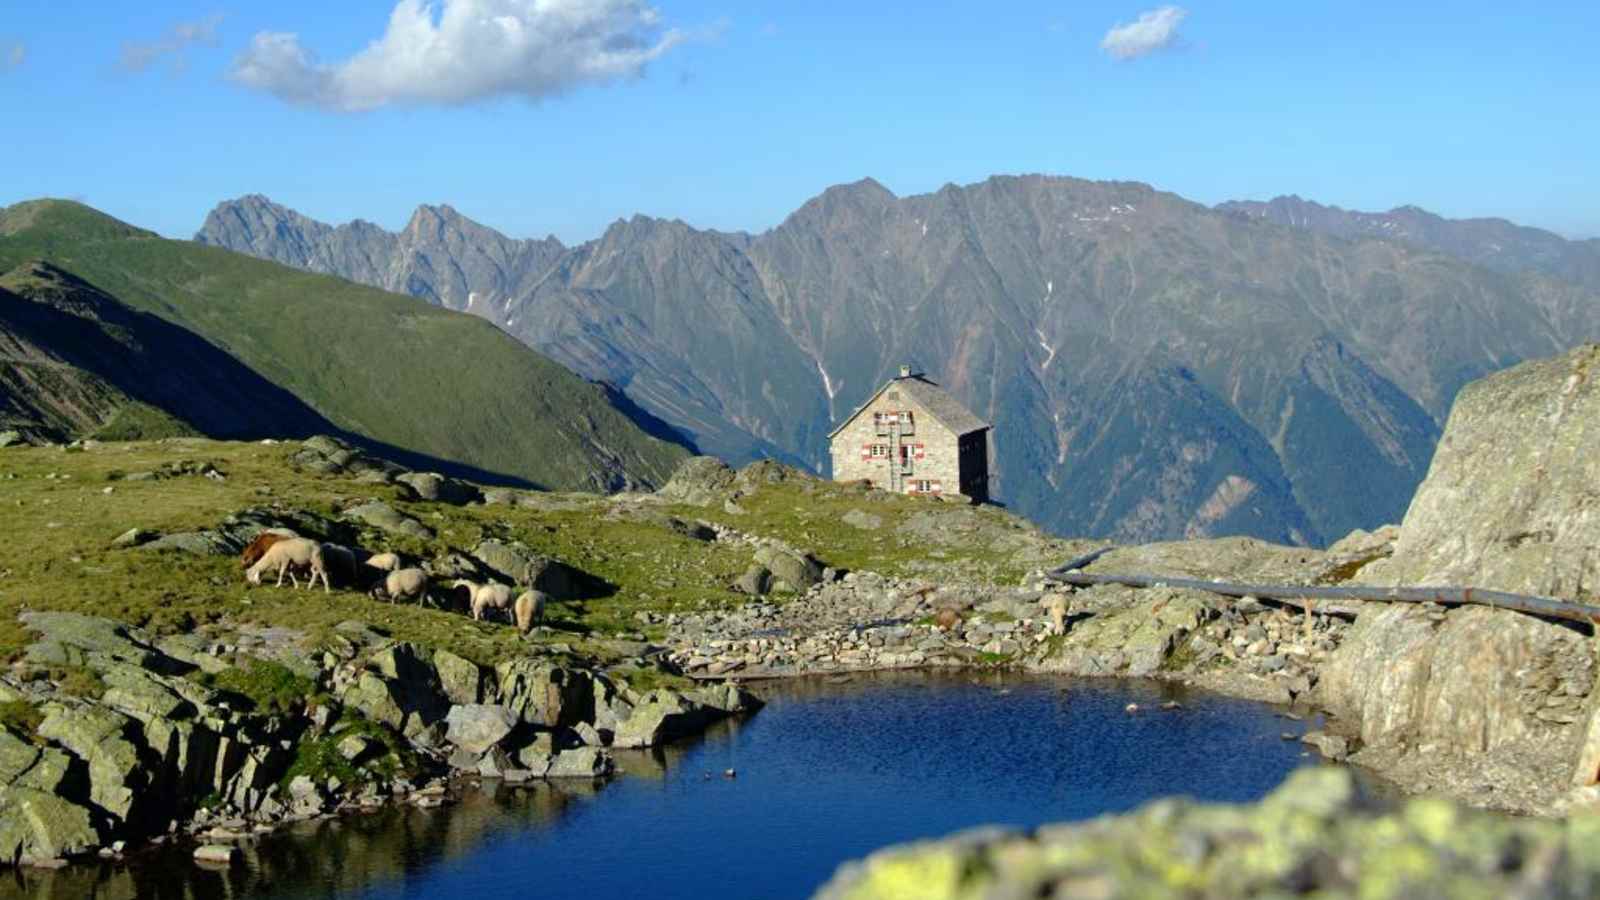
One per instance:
(947,619)
(485,597)
(289,555)
(252,554)
(342,560)
(385,562)
(1055,605)
(530,609)
(403,584)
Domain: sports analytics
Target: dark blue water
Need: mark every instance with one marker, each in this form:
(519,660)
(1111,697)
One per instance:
(828,772)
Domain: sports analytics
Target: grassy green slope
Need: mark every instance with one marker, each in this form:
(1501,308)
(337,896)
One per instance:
(391,368)
(57,523)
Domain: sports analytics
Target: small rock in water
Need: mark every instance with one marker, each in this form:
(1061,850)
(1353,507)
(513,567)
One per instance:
(215,853)
(1131,708)
(730,773)
(1171,705)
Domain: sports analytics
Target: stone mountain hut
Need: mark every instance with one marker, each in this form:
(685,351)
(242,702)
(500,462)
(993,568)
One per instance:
(911,437)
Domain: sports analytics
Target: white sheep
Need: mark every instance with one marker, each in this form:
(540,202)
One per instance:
(530,609)
(288,556)
(484,597)
(403,584)
(385,562)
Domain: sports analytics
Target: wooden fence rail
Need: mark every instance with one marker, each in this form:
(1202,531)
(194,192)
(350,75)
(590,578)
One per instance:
(1299,595)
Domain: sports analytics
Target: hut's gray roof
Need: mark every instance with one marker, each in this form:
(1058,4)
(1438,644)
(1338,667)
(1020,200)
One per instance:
(938,402)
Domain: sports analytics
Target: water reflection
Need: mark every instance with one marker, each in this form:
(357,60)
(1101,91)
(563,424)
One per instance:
(833,768)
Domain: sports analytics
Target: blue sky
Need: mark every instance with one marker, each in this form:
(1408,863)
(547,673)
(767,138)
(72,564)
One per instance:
(730,115)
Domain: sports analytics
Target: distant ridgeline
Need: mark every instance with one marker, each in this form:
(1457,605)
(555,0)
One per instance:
(1153,368)
(109,331)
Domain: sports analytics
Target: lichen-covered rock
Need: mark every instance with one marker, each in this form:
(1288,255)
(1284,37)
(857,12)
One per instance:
(1134,639)
(518,564)
(1313,836)
(661,717)
(434,487)
(384,517)
(580,762)
(544,694)
(700,481)
(36,826)
(99,736)
(16,756)
(399,688)
(1512,499)
(791,572)
(74,639)
(461,679)
(476,727)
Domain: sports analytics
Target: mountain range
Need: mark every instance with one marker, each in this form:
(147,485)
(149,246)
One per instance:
(1154,368)
(109,330)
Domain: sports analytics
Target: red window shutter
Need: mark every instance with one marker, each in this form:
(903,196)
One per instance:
(866,451)
(922,451)
(938,488)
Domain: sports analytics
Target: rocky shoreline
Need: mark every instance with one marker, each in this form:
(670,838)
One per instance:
(175,747)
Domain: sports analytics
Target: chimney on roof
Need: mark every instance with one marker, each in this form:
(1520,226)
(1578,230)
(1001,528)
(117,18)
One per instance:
(905,371)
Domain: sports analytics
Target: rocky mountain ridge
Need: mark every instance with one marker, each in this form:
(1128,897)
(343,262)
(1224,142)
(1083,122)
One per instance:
(1154,368)
(1492,243)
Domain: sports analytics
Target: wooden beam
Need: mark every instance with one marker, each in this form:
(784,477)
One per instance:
(1543,607)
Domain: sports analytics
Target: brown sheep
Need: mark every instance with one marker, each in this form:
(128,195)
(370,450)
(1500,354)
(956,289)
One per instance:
(947,618)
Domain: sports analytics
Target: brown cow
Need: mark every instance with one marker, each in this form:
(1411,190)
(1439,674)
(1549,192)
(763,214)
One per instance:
(258,547)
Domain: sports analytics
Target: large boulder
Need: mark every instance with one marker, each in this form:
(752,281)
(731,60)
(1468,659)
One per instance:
(700,481)
(791,571)
(477,727)
(331,456)
(100,737)
(74,639)
(518,564)
(384,517)
(1511,502)
(581,762)
(1314,836)
(36,826)
(661,717)
(461,679)
(544,694)
(433,487)
(400,688)
(1512,499)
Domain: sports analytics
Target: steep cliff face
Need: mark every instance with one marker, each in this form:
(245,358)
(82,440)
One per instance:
(1512,502)
(439,256)
(1153,368)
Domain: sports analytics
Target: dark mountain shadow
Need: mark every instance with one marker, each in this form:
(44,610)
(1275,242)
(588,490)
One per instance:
(647,421)
(56,319)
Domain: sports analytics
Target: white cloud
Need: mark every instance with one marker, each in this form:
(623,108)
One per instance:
(459,51)
(137,56)
(1154,30)
(12,55)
